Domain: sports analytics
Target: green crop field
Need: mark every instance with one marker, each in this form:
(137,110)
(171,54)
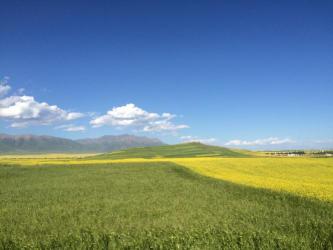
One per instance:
(171,198)
(182,150)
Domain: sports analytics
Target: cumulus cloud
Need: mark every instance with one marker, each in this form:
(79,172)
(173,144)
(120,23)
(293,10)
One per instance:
(260,142)
(71,128)
(131,116)
(4,87)
(23,111)
(163,126)
(190,138)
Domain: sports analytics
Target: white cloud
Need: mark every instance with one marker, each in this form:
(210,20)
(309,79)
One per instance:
(132,116)
(4,87)
(163,126)
(190,138)
(71,128)
(24,111)
(260,142)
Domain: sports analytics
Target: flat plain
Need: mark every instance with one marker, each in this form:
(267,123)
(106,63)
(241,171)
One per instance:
(201,201)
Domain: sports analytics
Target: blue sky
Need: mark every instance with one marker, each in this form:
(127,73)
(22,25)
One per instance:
(253,74)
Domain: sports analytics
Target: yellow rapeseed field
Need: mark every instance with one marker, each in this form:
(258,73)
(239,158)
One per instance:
(310,177)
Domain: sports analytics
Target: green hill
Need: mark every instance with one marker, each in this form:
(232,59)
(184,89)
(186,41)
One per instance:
(193,149)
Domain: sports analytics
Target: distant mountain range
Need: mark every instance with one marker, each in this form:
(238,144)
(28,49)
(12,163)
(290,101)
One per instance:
(51,144)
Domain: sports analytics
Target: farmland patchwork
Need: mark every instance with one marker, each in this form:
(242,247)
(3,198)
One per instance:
(98,202)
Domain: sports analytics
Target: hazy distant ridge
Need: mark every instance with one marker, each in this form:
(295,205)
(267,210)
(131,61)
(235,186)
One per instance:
(42,144)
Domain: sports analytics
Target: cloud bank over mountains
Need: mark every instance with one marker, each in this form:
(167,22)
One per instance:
(21,111)
(71,128)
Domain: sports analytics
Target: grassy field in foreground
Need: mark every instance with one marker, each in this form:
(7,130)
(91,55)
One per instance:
(157,205)
(309,177)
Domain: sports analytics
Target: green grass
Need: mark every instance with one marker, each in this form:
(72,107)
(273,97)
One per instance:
(151,206)
(193,149)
